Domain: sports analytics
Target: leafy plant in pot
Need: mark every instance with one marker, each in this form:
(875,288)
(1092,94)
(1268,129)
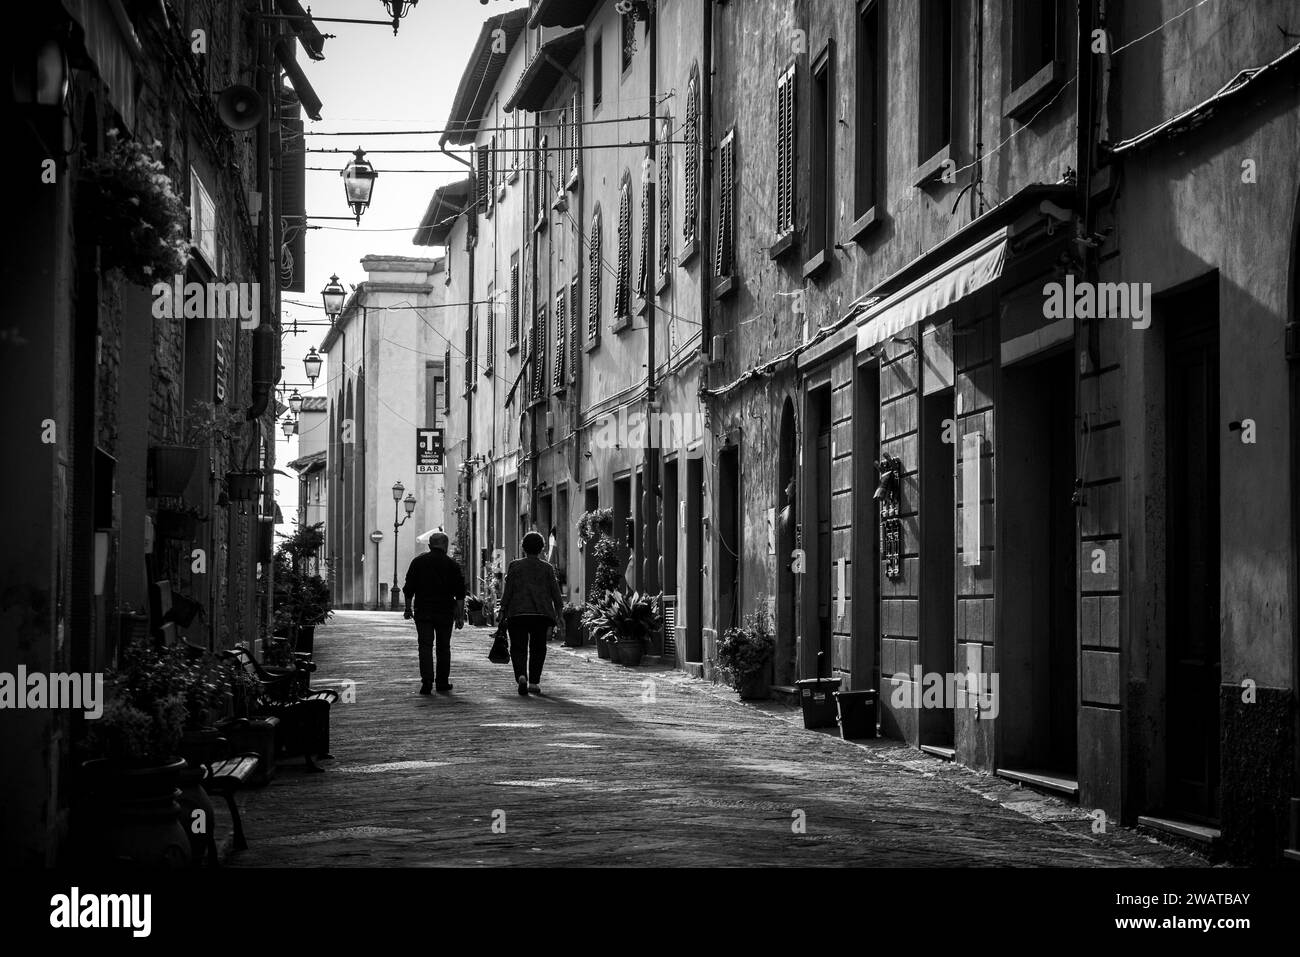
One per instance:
(608,560)
(573,637)
(218,427)
(628,620)
(180,522)
(154,697)
(302,600)
(744,656)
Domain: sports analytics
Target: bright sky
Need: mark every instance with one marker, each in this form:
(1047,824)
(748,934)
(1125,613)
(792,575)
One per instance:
(371,80)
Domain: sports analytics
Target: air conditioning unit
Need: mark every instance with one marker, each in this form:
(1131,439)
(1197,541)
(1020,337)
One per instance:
(719,350)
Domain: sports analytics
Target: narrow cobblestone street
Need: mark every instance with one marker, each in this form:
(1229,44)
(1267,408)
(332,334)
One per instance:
(615,766)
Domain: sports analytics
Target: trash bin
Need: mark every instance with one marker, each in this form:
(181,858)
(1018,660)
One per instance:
(816,697)
(857,714)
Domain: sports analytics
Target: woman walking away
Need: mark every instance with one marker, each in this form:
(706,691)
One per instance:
(531,605)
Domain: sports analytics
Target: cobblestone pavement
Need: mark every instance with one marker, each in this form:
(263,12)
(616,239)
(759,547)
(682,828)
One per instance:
(619,766)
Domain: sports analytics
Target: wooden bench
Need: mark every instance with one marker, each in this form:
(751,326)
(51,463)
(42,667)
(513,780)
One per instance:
(225,778)
(304,714)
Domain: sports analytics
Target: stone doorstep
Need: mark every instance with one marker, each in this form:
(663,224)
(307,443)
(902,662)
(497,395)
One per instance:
(1291,856)
(946,754)
(1206,837)
(1045,780)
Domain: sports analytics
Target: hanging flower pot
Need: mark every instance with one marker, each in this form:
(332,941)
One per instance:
(243,486)
(170,468)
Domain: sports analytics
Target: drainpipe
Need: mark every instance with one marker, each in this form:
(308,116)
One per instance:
(650,471)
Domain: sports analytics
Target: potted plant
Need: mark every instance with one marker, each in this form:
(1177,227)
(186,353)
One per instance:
(180,522)
(217,426)
(573,625)
(133,210)
(132,779)
(744,656)
(302,599)
(628,621)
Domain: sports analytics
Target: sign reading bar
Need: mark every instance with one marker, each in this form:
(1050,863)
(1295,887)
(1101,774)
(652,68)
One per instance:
(428,451)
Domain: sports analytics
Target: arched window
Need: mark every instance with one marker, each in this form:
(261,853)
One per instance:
(593,278)
(691,179)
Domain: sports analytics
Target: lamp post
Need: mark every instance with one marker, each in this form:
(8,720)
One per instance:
(295,402)
(311,364)
(398,489)
(359,182)
(376,537)
(333,296)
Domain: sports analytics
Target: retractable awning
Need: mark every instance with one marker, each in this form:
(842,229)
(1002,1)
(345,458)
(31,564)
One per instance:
(284,52)
(971,270)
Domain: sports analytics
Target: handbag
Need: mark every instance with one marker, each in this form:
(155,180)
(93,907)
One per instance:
(500,652)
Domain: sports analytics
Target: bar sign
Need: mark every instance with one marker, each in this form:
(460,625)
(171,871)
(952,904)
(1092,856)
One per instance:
(428,451)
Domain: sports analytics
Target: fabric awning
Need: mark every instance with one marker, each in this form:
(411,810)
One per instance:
(114,47)
(971,270)
(311,105)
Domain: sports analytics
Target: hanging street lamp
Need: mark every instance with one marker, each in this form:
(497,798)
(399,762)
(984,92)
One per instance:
(295,401)
(398,9)
(311,363)
(288,426)
(358,182)
(42,76)
(333,295)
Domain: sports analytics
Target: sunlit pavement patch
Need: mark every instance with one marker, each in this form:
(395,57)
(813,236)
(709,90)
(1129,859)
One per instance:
(571,744)
(540,783)
(510,724)
(391,766)
(339,834)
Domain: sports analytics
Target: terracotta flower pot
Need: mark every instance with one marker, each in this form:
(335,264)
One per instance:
(170,468)
(243,486)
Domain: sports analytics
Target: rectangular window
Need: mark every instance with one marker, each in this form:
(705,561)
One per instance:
(484,182)
(203,220)
(490,200)
(821,142)
(543,183)
(868,130)
(561,337)
(512,342)
(1034,46)
(575,139)
(597,71)
(491,345)
(629,39)
(935,113)
(786,167)
(725,260)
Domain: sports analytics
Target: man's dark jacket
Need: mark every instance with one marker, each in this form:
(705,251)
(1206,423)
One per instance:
(435,583)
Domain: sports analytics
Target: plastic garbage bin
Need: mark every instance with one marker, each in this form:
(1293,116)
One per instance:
(857,714)
(816,695)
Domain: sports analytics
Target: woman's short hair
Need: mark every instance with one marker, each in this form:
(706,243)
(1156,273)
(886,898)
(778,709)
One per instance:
(534,543)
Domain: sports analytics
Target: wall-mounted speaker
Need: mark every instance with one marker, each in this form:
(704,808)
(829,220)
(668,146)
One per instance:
(240,107)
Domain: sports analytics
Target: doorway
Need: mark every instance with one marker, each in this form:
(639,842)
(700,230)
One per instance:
(1038,668)
(1192,556)
(821,505)
(938,556)
(591,502)
(729,610)
(787,496)
(695,571)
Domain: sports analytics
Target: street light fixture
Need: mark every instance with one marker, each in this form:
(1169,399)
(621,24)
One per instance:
(398,489)
(334,295)
(376,537)
(42,77)
(288,427)
(359,182)
(398,9)
(295,401)
(311,364)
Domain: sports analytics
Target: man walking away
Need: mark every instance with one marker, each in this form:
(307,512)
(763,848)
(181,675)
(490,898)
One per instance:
(435,584)
(531,605)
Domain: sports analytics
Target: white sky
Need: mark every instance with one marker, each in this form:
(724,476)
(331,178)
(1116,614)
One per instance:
(371,80)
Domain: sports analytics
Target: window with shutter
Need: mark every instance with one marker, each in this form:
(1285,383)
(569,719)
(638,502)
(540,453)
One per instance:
(666,202)
(575,325)
(785,152)
(593,279)
(489,360)
(691,181)
(575,139)
(484,185)
(622,277)
(512,341)
(490,199)
(643,265)
(543,184)
(561,334)
(538,351)
(446,378)
(723,263)
(469,361)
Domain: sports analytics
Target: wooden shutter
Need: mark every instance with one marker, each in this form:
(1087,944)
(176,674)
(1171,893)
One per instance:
(726,204)
(575,324)
(484,185)
(538,351)
(621,291)
(593,281)
(543,182)
(787,123)
(469,354)
(488,360)
(561,336)
(513,340)
(446,379)
(691,181)
(666,201)
(575,133)
(643,266)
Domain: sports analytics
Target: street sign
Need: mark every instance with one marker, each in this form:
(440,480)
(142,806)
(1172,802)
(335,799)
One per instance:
(428,451)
